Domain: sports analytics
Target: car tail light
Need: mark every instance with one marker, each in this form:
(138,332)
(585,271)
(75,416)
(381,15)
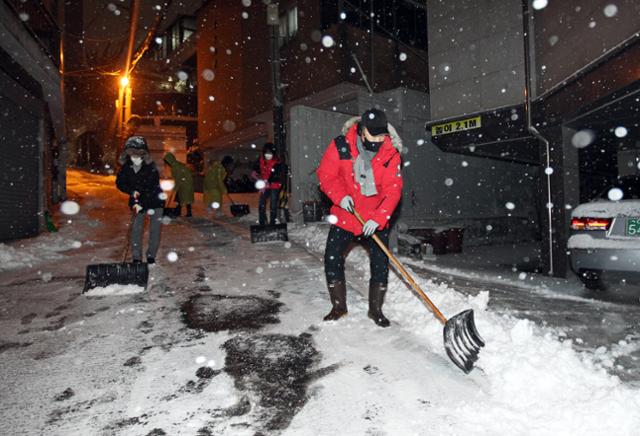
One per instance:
(590,223)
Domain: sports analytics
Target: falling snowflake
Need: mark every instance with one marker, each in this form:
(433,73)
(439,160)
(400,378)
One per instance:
(246,3)
(539,4)
(332,219)
(620,132)
(259,270)
(76,244)
(328,41)
(489,227)
(167,184)
(200,360)
(610,11)
(245,15)
(403,56)
(215,205)
(182,75)
(208,75)
(260,184)
(287,244)
(69,207)
(343,15)
(615,194)
(448,181)
(583,138)
(172,256)
(464,163)
(23,16)
(548,171)
(151,212)
(211,98)
(420,142)
(522,275)
(509,205)
(229,126)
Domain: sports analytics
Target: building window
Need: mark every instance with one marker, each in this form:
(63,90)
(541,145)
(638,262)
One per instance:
(288,24)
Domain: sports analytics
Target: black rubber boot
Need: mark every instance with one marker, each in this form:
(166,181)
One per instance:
(189,214)
(338,295)
(376,300)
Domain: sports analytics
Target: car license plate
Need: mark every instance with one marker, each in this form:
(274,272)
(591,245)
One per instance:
(633,227)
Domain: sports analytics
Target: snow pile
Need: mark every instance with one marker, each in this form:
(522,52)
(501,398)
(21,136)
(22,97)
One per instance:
(116,290)
(585,241)
(31,252)
(534,382)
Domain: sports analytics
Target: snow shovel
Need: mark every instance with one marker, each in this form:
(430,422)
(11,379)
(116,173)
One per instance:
(105,274)
(461,338)
(238,209)
(269,233)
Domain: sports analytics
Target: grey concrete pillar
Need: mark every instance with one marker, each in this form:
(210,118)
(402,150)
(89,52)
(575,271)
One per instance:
(561,191)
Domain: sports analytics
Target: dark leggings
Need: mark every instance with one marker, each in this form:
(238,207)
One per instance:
(334,255)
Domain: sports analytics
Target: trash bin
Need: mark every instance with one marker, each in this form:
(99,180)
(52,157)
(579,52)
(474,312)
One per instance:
(453,239)
(439,242)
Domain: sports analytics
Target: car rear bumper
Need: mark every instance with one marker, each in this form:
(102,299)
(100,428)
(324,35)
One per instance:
(615,265)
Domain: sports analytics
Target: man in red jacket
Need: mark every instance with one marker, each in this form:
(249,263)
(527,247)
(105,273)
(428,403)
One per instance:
(361,171)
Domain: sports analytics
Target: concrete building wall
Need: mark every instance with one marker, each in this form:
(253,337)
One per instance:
(569,36)
(476,59)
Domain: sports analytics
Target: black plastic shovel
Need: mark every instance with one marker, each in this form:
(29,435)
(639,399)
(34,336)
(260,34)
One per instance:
(105,274)
(461,338)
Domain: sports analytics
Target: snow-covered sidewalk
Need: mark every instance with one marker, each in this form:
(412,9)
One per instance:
(228,340)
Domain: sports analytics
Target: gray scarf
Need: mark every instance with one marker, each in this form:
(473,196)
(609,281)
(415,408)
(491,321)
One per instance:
(363,171)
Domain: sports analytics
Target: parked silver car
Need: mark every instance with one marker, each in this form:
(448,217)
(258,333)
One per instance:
(605,237)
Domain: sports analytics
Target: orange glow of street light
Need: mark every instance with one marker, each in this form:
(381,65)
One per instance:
(124,81)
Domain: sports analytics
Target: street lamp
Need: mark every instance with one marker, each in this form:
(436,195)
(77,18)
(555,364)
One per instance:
(124,81)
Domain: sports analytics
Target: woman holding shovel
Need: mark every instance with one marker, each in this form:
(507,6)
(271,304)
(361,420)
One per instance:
(138,177)
(360,171)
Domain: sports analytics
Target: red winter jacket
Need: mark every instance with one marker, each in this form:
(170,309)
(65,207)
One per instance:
(270,172)
(337,180)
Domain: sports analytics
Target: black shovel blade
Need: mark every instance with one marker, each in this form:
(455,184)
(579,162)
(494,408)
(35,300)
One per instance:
(269,233)
(239,209)
(106,274)
(462,340)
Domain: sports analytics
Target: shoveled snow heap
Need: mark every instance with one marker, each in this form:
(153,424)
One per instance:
(115,290)
(531,381)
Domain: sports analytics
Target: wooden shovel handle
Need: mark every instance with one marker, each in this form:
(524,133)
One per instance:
(404,273)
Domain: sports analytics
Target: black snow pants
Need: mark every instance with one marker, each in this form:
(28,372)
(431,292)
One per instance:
(334,255)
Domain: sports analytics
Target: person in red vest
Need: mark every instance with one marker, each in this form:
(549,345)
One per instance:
(360,171)
(267,173)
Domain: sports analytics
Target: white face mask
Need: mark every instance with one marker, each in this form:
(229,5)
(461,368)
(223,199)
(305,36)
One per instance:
(137,160)
(268,156)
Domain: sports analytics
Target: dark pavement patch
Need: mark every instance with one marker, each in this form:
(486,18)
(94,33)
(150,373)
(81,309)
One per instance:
(216,312)
(4,346)
(275,367)
(65,395)
(27,319)
(133,361)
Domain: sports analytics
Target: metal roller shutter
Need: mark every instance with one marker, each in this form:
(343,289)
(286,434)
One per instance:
(19,160)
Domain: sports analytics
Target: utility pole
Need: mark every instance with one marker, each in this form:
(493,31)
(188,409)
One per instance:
(279,134)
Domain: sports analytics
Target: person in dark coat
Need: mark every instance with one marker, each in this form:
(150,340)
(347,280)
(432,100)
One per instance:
(360,171)
(267,173)
(139,179)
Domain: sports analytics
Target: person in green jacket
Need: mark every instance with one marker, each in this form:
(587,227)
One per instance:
(213,187)
(184,183)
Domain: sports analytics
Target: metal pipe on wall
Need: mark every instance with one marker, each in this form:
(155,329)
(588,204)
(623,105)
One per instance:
(526,16)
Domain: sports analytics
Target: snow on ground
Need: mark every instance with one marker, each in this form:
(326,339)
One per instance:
(533,381)
(228,340)
(115,290)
